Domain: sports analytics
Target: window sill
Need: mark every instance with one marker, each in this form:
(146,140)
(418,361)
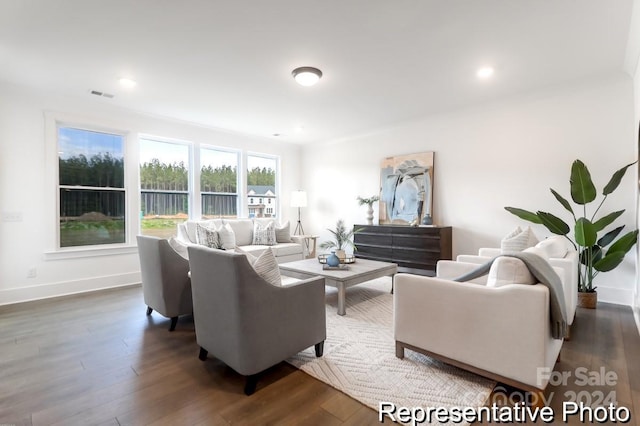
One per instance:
(90,251)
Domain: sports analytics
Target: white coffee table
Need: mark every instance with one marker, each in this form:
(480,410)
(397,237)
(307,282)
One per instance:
(361,271)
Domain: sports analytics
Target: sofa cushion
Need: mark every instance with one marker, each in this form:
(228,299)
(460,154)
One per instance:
(286,249)
(555,246)
(179,247)
(283,233)
(266,266)
(540,251)
(518,241)
(251,258)
(509,270)
(243,230)
(264,234)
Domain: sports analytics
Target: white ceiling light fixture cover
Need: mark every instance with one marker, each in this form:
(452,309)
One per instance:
(485,72)
(306,76)
(127,82)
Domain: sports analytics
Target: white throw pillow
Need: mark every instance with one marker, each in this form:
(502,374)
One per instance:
(179,247)
(515,242)
(555,246)
(207,237)
(283,233)
(509,270)
(227,237)
(264,235)
(266,266)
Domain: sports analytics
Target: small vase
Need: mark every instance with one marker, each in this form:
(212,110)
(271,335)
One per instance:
(588,300)
(370,214)
(333,260)
(341,255)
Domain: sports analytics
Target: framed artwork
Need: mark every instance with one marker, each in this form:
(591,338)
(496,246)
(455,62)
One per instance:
(406,189)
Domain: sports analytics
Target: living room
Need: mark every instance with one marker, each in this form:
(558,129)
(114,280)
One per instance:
(498,149)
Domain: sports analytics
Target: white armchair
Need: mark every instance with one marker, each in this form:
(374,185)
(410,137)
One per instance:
(501,331)
(558,254)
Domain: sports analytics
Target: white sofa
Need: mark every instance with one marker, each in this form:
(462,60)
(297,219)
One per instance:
(243,230)
(558,254)
(498,331)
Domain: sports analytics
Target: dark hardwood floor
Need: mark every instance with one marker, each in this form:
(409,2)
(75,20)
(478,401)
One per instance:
(96,359)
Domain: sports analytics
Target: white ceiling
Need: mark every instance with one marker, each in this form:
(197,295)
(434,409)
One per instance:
(227,64)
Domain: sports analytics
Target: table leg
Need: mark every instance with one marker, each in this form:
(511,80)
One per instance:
(342,296)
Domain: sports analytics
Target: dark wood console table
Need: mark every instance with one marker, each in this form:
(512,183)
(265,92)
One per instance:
(413,249)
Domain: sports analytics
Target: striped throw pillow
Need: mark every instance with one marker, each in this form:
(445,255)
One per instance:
(267,267)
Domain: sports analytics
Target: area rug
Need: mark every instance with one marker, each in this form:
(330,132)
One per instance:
(359,358)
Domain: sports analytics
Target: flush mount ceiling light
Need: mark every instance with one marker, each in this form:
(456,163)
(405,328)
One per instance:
(484,73)
(307,76)
(127,82)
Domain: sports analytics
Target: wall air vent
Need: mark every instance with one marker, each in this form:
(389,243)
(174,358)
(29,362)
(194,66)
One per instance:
(103,94)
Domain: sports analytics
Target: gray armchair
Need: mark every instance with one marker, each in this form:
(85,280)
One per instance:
(165,282)
(247,323)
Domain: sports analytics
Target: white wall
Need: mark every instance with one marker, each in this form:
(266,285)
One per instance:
(24,189)
(503,154)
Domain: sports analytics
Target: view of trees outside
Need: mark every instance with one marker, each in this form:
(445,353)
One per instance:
(91,187)
(219,183)
(164,187)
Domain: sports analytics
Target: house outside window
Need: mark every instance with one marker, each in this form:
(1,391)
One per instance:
(262,178)
(164,186)
(91,187)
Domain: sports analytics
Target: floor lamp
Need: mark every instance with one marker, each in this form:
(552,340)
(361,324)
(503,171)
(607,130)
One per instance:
(299,199)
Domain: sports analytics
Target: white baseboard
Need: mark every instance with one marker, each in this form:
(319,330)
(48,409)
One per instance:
(46,291)
(618,296)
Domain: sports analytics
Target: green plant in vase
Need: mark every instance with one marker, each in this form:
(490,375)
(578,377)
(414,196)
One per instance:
(369,203)
(596,253)
(342,239)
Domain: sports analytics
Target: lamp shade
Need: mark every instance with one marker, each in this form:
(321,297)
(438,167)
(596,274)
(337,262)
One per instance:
(299,199)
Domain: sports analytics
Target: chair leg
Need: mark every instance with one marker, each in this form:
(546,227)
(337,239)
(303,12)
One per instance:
(250,385)
(174,321)
(319,349)
(149,310)
(203,354)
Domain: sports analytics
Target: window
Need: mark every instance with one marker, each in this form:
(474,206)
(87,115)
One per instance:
(219,183)
(164,186)
(261,179)
(91,187)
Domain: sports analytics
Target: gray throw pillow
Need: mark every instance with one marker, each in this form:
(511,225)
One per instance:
(283,233)
(208,237)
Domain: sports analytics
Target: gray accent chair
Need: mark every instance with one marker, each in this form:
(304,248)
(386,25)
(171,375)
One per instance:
(165,281)
(248,323)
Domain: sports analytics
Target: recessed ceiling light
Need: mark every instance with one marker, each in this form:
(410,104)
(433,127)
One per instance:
(127,82)
(485,72)
(307,76)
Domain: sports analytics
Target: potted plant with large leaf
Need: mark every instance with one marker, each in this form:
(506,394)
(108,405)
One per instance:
(594,255)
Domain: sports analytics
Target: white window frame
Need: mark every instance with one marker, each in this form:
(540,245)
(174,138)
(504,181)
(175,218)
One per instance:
(53,121)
